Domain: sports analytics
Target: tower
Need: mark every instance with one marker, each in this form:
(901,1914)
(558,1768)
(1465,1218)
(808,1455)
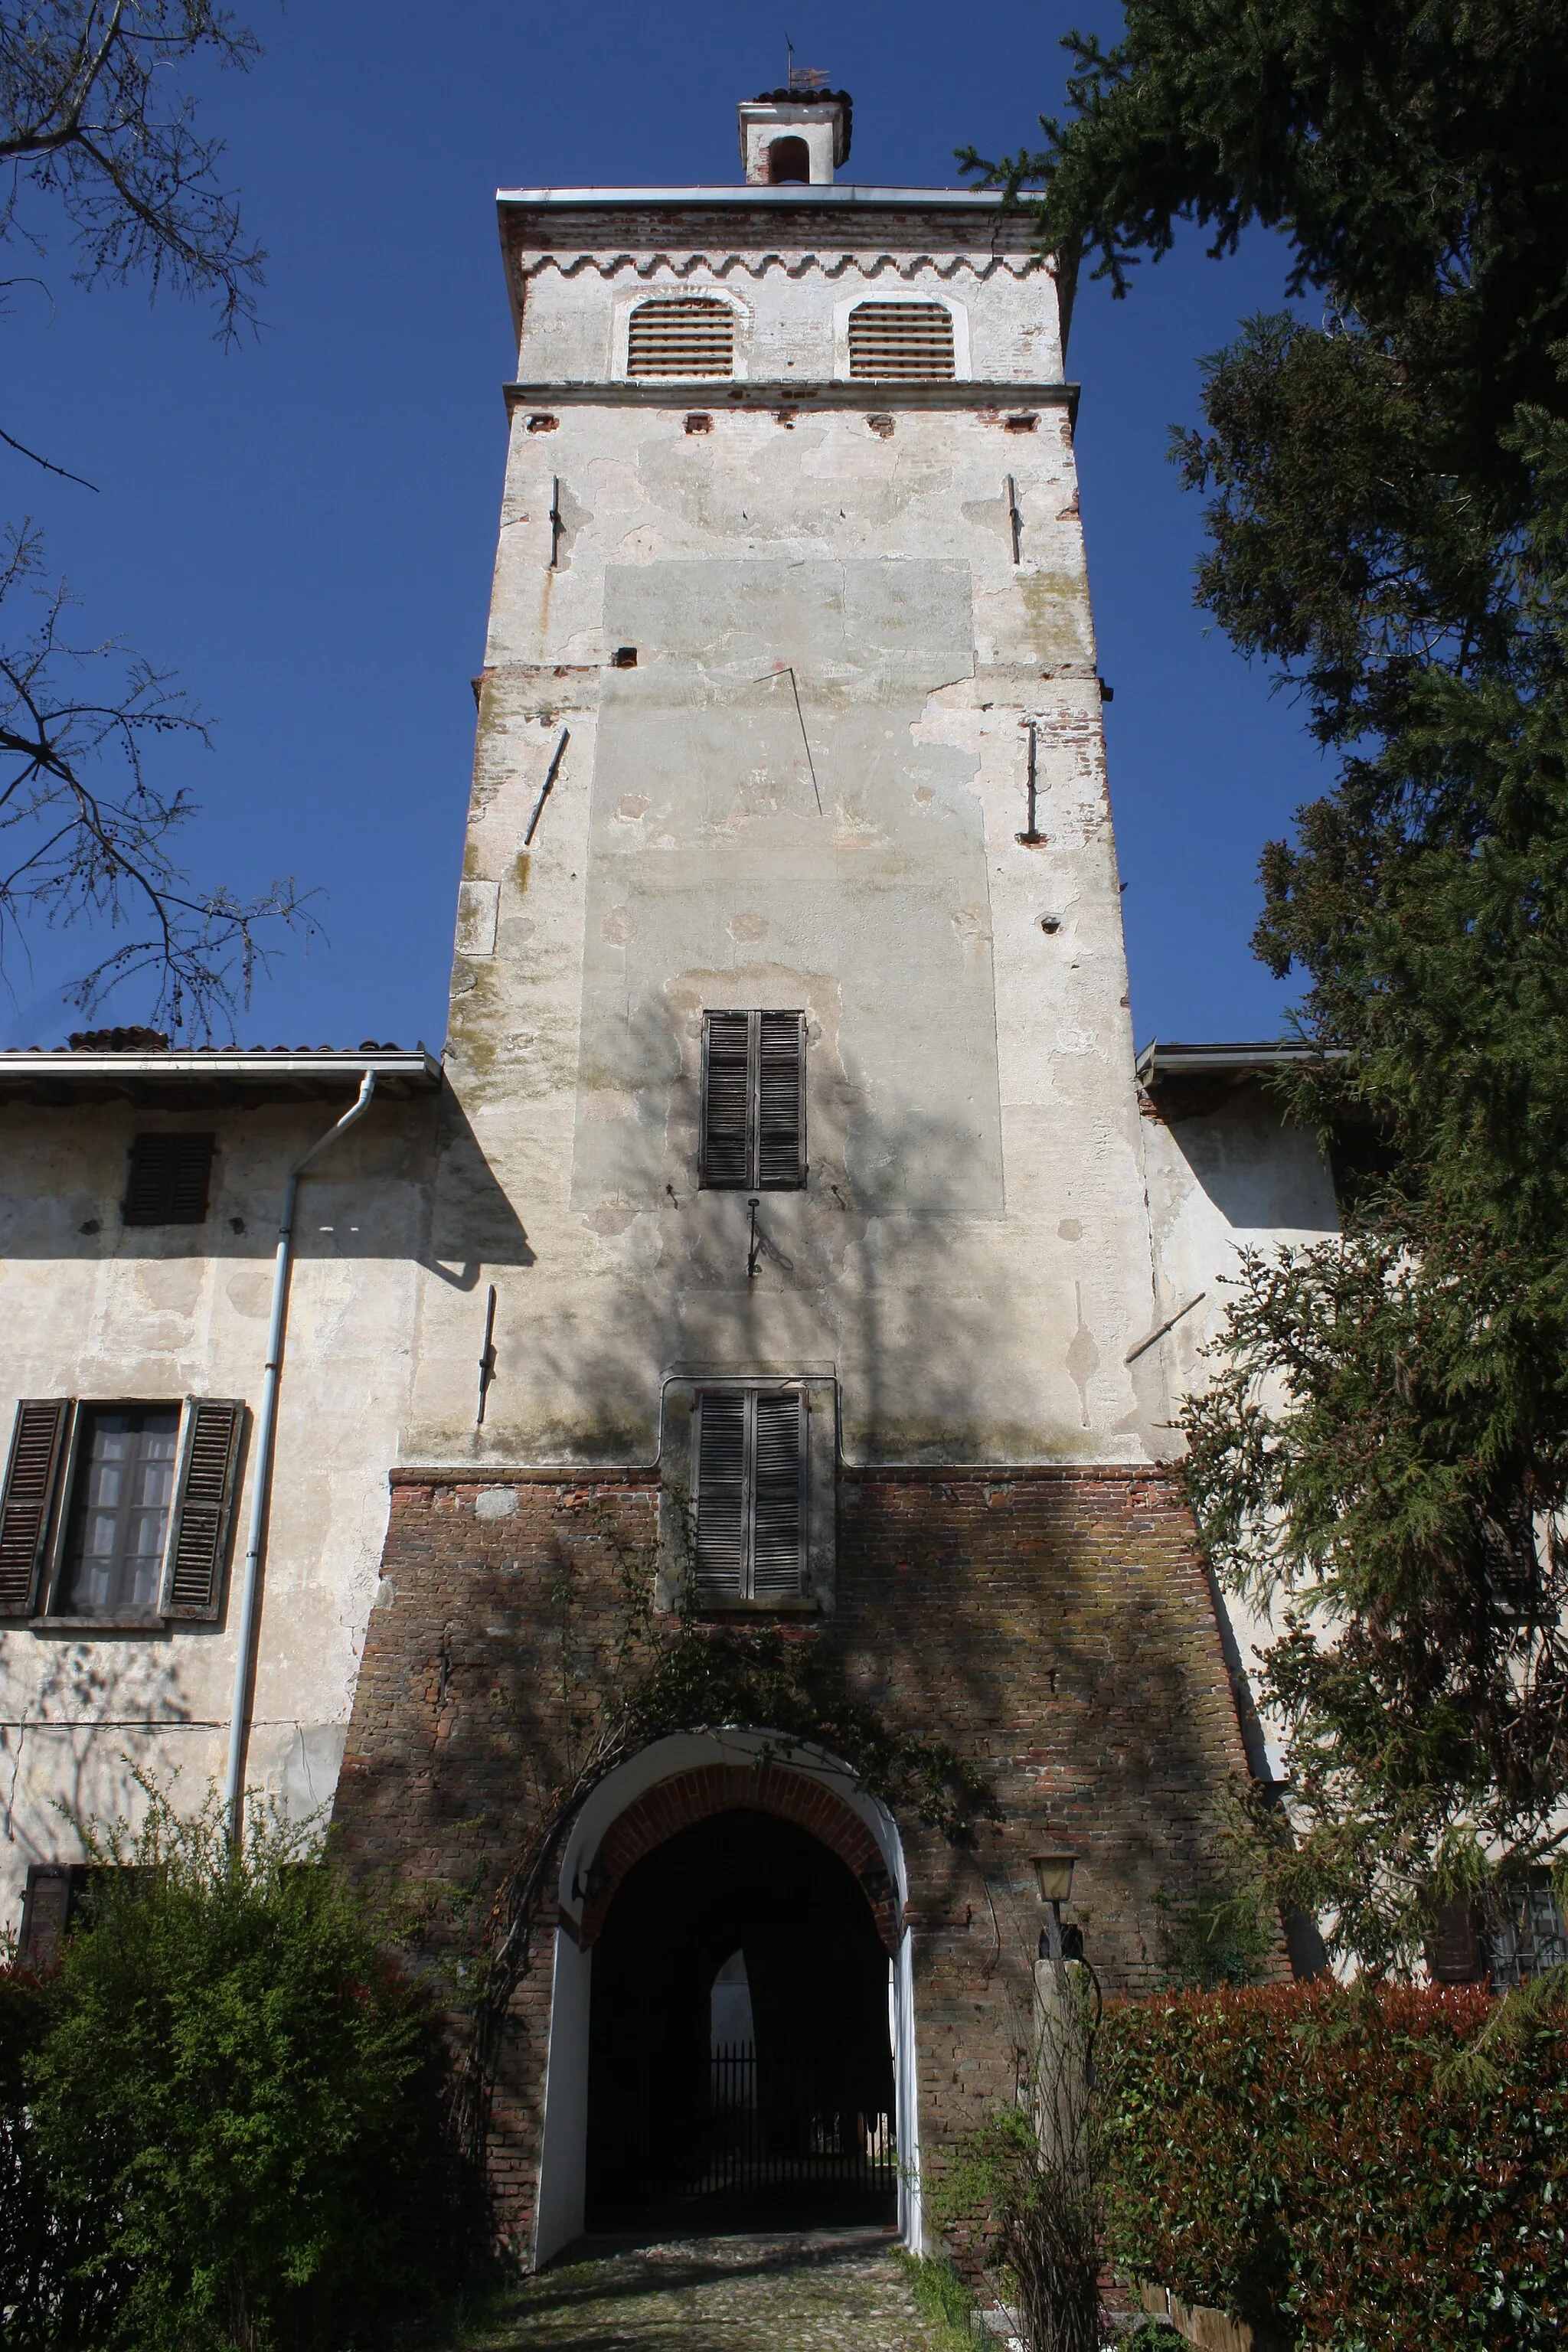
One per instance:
(789,1234)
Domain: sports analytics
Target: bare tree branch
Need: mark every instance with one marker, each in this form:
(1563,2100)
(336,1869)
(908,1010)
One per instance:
(85,835)
(96,115)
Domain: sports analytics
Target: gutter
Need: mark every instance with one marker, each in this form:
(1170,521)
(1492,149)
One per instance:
(261,1490)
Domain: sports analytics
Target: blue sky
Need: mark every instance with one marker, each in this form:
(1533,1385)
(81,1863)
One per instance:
(303,527)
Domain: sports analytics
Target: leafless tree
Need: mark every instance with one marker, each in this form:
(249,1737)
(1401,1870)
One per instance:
(99,124)
(84,831)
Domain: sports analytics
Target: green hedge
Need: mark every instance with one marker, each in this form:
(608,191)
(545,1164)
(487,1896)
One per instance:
(1284,2152)
(218,2115)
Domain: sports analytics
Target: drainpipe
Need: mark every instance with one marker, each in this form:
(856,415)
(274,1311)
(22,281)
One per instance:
(261,1488)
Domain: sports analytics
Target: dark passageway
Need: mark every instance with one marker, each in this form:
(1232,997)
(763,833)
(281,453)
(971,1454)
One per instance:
(740,2070)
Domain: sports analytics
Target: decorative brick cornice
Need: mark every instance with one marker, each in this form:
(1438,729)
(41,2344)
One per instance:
(768,1787)
(792,265)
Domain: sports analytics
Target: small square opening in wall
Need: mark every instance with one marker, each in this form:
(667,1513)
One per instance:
(623,657)
(542,423)
(700,422)
(1025,423)
(168,1180)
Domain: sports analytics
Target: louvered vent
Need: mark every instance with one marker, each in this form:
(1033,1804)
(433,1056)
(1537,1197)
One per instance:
(684,335)
(901,342)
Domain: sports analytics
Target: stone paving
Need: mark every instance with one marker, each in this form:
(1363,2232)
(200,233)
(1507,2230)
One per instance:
(809,2291)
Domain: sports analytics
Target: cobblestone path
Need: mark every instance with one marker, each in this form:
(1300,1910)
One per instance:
(815,2291)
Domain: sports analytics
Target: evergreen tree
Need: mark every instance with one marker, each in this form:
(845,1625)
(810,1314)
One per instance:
(1383,1452)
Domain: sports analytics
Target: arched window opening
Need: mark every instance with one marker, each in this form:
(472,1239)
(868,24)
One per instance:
(901,342)
(681,335)
(789,162)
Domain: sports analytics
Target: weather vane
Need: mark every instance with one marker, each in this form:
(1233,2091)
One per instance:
(806,78)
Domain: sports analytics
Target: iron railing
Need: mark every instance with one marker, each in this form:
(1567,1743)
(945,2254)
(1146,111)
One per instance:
(790,2122)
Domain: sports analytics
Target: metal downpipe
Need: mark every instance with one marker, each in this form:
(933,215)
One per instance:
(261,1485)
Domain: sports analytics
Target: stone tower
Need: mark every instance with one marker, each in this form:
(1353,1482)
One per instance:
(790,1215)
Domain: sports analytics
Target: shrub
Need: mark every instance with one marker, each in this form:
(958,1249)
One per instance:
(1317,2156)
(220,2106)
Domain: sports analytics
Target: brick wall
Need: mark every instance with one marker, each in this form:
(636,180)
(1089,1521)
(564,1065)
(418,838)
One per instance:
(1054,1624)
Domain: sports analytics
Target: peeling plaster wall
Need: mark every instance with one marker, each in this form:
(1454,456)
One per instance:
(157,1313)
(972,1253)
(1238,1175)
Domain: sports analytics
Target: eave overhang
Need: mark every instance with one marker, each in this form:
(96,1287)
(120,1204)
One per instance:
(198,1079)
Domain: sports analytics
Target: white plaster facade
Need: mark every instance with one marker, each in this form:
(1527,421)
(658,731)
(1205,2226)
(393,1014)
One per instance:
(97,1310)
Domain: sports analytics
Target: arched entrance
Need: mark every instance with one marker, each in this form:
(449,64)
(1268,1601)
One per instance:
(739,2067)
(760,2073)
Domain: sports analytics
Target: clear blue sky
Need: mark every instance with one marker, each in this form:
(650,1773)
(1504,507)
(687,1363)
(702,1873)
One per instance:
(303,527)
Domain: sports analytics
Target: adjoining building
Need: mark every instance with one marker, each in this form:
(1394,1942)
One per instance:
(785,1231)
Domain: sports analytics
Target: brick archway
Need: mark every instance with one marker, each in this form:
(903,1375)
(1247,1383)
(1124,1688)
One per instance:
(691,1797)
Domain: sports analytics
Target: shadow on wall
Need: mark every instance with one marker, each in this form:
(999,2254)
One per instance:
(371,1201)
(1261,1169)
(879,1270)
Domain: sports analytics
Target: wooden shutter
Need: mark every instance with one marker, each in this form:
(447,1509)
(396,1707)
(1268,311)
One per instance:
(901,342)
(168,1182)
(27,1499)
(781,1100)
(778,1496)
(753,1101)
(203,1508)
(53,1891)
(681,335)
(727,1099)
(721,1499)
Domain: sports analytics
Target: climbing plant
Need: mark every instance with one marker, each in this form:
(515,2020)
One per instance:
(654,1677)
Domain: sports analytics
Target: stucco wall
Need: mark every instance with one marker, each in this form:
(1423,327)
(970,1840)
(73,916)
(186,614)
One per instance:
(155,1313)
(972,1253)
(1226,1174)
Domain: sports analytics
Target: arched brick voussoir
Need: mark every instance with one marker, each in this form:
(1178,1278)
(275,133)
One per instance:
(689,1797)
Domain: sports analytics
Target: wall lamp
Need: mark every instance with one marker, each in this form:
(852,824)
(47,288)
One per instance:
(1053,1874)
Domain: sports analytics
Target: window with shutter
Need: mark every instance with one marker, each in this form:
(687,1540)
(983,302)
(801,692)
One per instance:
(124,1461)
(754,1101)
(204,1508)
(27,1499)
(169,1177)
(681,335)
(901,342)
(54,1890)
(751,1487)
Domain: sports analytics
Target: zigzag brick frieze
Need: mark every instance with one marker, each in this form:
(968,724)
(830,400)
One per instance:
(792,265)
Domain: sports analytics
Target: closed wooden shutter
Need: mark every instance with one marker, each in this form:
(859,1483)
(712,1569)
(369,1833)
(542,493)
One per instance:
(54,1890)
(778,1488)
(169,1179)
(204,1506)
(901,342)
(681,335)
(781,1100)
(27,1499)
(753,1101)
(727,1099)
(750,1481)
(721,1481)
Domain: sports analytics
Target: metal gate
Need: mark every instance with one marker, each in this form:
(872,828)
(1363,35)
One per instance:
(788,2123)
